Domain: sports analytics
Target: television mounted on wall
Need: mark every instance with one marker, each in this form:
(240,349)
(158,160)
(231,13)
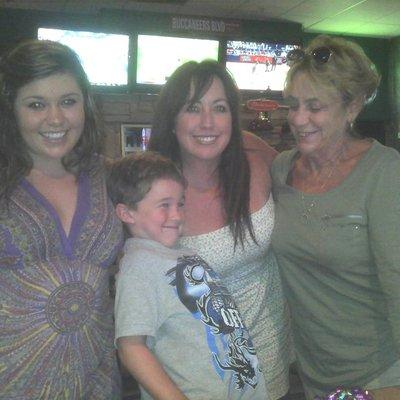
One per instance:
(104,56)
(158,56)
(258,66)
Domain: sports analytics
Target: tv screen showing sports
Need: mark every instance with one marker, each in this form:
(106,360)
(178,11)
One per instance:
(258,65)
(104,56)
(159,56)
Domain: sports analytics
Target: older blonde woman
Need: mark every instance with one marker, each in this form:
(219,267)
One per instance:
(337,226)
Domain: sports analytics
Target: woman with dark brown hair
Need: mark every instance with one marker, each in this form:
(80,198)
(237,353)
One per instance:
(58,232)
(229,210)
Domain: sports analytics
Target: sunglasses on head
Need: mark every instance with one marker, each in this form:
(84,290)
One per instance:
(320,55)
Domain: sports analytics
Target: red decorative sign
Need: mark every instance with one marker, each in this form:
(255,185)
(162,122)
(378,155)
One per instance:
(262,105)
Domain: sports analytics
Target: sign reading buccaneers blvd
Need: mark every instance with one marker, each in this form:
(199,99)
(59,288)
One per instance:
(218,26)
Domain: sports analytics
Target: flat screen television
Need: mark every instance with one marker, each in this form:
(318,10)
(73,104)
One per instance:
(104,56)
(159,56)
(258,65)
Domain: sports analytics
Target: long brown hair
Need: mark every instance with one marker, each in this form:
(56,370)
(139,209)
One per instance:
(233,168)
(31,60)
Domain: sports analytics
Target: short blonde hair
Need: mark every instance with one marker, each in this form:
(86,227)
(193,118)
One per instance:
(348,72)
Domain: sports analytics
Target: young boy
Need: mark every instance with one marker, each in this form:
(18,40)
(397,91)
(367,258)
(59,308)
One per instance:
(178,330)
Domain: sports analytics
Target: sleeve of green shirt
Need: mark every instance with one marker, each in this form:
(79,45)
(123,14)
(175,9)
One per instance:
(384,233)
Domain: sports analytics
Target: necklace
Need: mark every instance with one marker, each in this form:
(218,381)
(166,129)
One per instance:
(328,175)
(333,162)
(309,210)
(312,176)
(308,206)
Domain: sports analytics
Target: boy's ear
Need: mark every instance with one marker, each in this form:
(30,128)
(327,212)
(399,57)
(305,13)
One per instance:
(124,213)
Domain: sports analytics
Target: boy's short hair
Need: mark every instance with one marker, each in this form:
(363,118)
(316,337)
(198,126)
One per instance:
(131,177)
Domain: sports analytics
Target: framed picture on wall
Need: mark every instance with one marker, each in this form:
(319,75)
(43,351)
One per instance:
(134,137)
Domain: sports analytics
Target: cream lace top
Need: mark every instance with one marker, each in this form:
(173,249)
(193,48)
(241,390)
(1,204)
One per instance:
(251,274)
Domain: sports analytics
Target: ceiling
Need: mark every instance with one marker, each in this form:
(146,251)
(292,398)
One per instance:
(374,18)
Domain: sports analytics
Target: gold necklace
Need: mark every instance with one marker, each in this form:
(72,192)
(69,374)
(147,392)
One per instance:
(309,206)
(309,209)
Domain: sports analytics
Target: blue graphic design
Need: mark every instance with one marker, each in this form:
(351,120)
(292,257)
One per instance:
(200,290)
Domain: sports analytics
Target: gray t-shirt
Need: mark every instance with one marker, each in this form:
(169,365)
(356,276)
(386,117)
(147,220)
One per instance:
(339,256)
(191,322)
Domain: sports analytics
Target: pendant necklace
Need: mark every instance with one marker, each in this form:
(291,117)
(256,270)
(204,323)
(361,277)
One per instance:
(308,206)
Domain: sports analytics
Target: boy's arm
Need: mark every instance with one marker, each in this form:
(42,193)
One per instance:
(146,369)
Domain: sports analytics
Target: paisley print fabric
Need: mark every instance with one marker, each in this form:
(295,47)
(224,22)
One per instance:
(56,330)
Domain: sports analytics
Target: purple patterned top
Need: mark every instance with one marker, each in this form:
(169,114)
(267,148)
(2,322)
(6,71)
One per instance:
(56,329)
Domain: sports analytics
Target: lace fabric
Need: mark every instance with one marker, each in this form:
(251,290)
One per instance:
(251,274)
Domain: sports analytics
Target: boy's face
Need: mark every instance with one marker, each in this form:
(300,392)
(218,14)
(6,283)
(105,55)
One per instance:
(159,215)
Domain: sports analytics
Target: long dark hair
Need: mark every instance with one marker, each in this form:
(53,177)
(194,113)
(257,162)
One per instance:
(25,63)
(233,168)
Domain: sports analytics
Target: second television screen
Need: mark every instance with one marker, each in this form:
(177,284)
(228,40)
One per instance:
(159,56)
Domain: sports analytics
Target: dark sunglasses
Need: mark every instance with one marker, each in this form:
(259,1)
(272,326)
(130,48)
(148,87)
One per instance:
(321,55)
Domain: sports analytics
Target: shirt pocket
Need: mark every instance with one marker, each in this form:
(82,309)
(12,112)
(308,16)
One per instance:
(348,222)
(346,238)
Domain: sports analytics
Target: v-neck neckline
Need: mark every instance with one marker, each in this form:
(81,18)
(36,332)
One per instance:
(359,166)
(81,210)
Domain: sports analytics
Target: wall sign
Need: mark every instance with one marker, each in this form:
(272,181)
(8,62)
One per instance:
(205,25)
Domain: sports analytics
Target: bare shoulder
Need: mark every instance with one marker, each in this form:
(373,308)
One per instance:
(258,150)
(260,156)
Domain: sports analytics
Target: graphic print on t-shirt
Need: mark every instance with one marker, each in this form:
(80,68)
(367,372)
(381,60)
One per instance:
(200,290)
